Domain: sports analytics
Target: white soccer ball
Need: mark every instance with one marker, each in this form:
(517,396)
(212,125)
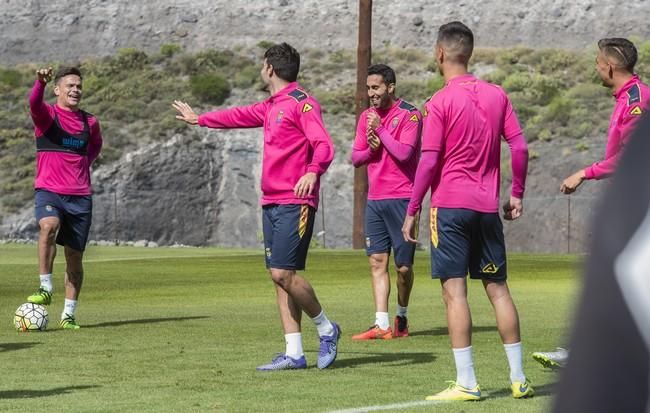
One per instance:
(31,317)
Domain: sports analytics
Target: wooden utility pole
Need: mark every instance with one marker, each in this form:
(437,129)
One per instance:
(361,100)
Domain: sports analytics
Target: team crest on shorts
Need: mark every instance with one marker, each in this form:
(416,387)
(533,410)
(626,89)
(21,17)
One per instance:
(268,252)
(367,242)
(48,208)
(394,122)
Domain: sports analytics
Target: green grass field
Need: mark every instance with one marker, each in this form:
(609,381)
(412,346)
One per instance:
(181,330)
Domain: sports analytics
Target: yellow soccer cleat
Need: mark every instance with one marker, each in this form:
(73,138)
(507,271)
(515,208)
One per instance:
(456,392)
(69,323)
(522,390)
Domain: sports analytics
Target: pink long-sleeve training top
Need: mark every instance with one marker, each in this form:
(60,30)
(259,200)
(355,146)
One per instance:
(391,168)
(461,137)
(67,143)
(631,101)
(295,141)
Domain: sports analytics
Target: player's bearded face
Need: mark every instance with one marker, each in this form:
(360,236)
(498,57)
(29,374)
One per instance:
(379,92)
(68,91)
(604,69)
(265,72)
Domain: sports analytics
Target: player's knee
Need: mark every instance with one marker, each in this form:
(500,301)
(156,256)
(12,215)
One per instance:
(377,263)
(48,228)
(282,277)
(403,271)
(453,297)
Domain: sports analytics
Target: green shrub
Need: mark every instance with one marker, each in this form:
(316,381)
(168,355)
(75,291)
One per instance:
(169,50)
(129,59)
(265,44)
(246,77)
(210,88)
(337,101)
(11,78)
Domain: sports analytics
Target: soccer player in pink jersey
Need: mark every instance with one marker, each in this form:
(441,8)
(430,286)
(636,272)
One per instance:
(615,66)
(68,140)
(460,161)
(297,152)
(388,141)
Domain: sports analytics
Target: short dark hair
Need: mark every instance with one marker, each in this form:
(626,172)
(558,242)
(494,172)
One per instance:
(66,71)
(458,40)
(285,61)
(620,49)
(385,71)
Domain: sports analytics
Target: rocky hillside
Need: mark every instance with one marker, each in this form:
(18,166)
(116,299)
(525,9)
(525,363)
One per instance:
(161,181)
(39,30)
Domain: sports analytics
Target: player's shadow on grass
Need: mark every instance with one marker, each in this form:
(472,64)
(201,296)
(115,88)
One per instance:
(395,359)
(442,331)
(543,390)
(16,346)
(32,394)
(142,321)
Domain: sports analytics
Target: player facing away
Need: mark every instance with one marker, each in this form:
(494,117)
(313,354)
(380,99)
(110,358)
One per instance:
(68,140)
(615,66)
(388,141)
(460,162)
(297,151)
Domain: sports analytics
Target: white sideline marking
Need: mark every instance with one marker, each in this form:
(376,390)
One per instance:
(386,407)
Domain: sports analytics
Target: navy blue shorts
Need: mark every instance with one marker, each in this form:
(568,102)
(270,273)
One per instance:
(75,213)
(465,241)
(383,229)
(287,234)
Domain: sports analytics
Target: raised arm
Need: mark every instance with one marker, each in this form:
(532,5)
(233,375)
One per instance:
(42,113)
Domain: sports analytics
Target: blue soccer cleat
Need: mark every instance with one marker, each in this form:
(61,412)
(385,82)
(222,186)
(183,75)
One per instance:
(284,362)
(328,348)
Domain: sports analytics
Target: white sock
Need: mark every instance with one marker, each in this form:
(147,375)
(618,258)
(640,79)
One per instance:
(69,308)
(513,352)
(46,282)
(323,325)
(465,375)
(293,343)
(401,311)
(381,320)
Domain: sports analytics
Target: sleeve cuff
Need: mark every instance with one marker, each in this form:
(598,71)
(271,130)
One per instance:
(412,210)
(314,168)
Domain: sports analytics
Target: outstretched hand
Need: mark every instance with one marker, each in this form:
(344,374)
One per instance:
(572,183)
(44,75)
(187,114)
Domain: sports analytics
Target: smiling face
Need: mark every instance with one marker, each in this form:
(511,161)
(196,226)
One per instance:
(379,92)
(68,91)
